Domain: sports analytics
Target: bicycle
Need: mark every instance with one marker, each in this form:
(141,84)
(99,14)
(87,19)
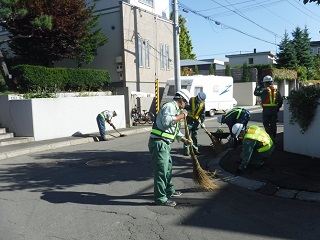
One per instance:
(142,118)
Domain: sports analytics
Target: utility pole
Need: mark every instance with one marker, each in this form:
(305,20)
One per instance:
(176,49)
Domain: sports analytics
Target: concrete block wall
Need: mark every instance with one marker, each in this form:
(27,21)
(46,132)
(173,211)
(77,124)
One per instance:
(49,118)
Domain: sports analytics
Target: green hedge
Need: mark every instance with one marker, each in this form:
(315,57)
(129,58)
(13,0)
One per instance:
(30,78)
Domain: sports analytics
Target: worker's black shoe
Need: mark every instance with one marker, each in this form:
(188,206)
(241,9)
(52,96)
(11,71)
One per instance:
(104,139)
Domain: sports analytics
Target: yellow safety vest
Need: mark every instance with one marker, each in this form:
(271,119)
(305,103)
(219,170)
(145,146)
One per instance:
(256,133)
(195,114)
(162,134)
(239,110)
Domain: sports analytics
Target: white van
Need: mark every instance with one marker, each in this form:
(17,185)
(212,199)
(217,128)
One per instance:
(218,89)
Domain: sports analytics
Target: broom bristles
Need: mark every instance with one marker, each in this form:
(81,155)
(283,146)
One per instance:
(201,177)
(216,144)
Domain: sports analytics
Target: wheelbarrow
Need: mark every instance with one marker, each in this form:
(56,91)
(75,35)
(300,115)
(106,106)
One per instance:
(220,135)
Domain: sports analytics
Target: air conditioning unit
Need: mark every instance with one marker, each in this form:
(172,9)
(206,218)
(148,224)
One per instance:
(119,59)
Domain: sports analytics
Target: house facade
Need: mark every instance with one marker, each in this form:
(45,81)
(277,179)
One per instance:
(252,58)
(315,47)
(139,50)
(203,65)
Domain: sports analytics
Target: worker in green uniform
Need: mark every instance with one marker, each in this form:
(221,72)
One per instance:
(165,129)
(257,145)
(271,102)
(196,115)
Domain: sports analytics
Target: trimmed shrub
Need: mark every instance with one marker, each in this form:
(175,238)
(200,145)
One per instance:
(30,78)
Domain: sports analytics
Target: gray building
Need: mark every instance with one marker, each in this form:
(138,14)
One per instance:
(252,58)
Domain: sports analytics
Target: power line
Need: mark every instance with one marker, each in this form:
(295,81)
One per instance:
(182,6)
(245,17)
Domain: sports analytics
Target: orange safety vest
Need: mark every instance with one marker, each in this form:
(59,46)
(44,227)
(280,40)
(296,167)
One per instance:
(272,97)
(256,133)
(195,114)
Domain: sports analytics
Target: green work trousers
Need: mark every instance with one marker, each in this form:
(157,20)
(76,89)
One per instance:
(162,170)
(270,119)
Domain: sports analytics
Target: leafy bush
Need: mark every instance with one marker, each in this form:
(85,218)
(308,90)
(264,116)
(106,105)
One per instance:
(303,104)
(42,79)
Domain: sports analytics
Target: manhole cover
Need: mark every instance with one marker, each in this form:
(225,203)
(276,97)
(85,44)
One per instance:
(42,165)
(99,162)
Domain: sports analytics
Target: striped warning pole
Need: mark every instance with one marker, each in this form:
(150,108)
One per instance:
(157,95)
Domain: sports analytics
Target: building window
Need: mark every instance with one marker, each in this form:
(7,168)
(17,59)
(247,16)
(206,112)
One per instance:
(161,56)
(318,50)
(140,46)
(250,61)
(167,57)
(147,52)
(147,2)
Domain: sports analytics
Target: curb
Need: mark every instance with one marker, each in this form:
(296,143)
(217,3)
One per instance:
(259,186)
(65,143)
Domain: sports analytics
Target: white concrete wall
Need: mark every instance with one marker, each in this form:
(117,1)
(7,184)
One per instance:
(296,142)
(49,118)
(243,93)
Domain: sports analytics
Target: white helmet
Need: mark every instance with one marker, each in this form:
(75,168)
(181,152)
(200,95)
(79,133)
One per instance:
(183,93)
(116,112)
(236,129)
(219,119)
(267,79)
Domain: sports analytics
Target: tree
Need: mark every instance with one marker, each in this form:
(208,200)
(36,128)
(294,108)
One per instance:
(185,41)
(67,38)
(301,42)
(90,42)
(11,12)
(228,70)
(245,72)
(286,57)
(211,70)
(309,1)
(196,70)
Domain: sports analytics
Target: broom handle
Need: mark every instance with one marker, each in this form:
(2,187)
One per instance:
(187,130)
(207,132)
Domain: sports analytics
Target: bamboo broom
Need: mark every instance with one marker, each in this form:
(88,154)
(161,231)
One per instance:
(217,146)
(199,175)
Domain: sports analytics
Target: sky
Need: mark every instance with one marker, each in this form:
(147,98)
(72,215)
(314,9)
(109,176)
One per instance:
(226,27)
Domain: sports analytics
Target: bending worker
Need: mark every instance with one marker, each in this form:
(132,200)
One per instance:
(165,130)
(196,114)
(236,115)
(257,145)
(271,101)
(103,117)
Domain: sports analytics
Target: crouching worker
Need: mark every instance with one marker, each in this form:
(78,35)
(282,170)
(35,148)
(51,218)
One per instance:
(165,129)
(257,146)
(103,117)
(236,115)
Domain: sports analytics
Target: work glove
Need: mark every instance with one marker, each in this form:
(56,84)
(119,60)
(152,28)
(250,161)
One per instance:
(184,111)
(186,141)
(111,124)
(202,125)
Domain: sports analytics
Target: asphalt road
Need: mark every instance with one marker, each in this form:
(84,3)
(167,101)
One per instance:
(103,190)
